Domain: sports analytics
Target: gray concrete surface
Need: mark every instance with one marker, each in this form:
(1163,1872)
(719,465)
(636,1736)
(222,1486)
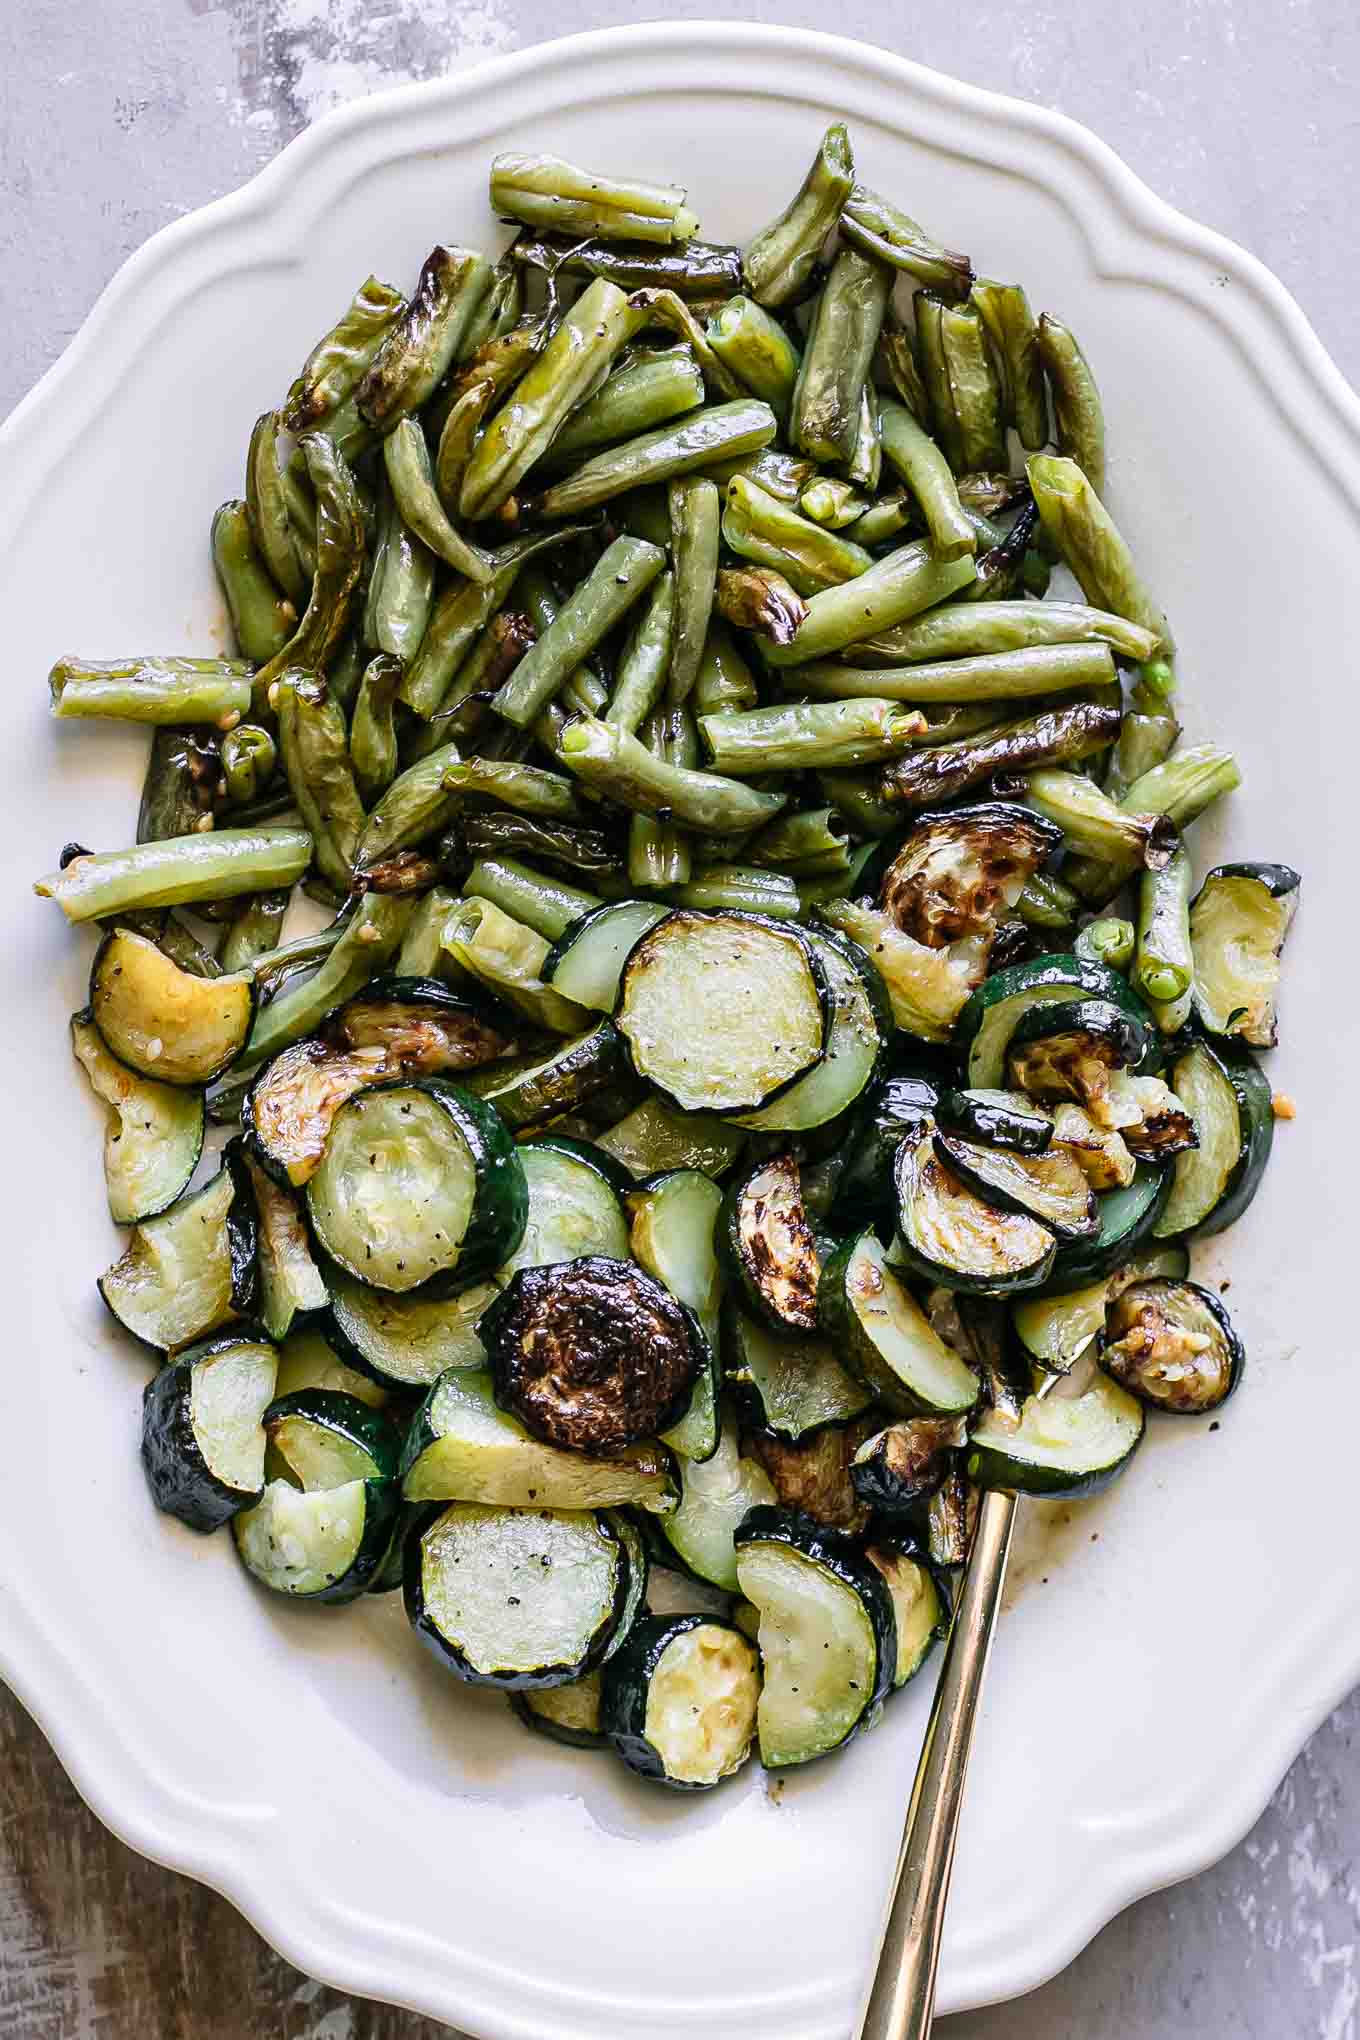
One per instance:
(118,115)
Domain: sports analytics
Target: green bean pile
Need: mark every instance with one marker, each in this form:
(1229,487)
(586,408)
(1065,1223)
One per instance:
(630,566)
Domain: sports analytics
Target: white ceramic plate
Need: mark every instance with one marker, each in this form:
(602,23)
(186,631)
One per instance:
(387,1829)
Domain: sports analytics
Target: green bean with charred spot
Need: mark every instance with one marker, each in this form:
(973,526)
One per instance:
(797,735)
(999,676)
(547,905)
(897,360)
(781,258)
(548,192)
(758,351)
(901,585)
(624,572)
(314,746)
(340,553)
(663,308)
(865,466)
(373,729)
(460,615)
(695,269)
(1163,966)
(882,230)
(614,763)
(1092,823)
(759,599)
(454,422)
(760,528)
(424,338)
(499,833)
(249,760)
(909,448)
(983,630)
(178,871)
(366,942)
(528,789)
(825,410)
(1181,789)
(498,312)
(696,518)
(1057,736)
(975,392)
(336,365)
(415,805)
(795,840)
(263,620)
(574,362)
(1014,334)
(166,691)
(716,433)
(1078,417)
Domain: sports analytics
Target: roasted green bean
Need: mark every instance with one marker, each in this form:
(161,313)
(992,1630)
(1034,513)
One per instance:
(793,841)
(778,474)
(1090,542)
(624,573)
(367,940)
(314,747)
(213,691)
(1110,941)
(544,904)
(415,805)
(254,931)
(880,229)
(340,554)
(696,518)
(1057,736)
(909,448)
(546,796)
(762,529)
(548,192)
(336,365)
(999,677)
(492,372)
(644,663)
(659,852)
(1014,334)
(263,620)
(832,502)
(798,735)
(506,957)
(716,433)
(825,409)
(373,730)
(758,351)
(249,761)
(781,258)
(694,269)
(903,584)
(639,396)
(1078,419)
(267,506)
(500,834)
(179,791)
(725,681)
(178,871)
(759,599)
(1163,965)
(1045,902)
(424,338)
(613,762)
(982,630)
(880,522)
(739,889)
(411,479)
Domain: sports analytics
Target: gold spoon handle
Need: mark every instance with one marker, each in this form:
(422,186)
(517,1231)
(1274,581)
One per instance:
(901,2000)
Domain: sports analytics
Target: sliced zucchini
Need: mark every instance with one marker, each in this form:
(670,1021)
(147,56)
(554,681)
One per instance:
(462,1448)
(322,1438)
(950,1520)
(885,1338)
(203,1439)
(190,1269)
(1091,1052)
(787,1387)
(1127,1217)
(1048,1187)
(320,1544)
(422,1028)
(893,1109)
(1061,1446)
(768,1246)
(723,1011)
(153,1134)
(1173,1346)
(586,961)
(1001,1119)
(828,1635)
(1057,1330)
(997,1006)
(568,1714)
(927,988)
(420,1183)
(715,1494)
(592,1355)
(574,1206)
(1238,923)
(673,1220)
(656,1137)
(406,1341)
(516,1598)
(291,1284)
(162,1020)
(308,1360)
(1230,1102)
(920,1606)
(291,1106)
(898,1467)
(813,1475)
(1100,1152)
(958,873)
(861,1027)
(529,1089)
(950,1236)
(680,1700)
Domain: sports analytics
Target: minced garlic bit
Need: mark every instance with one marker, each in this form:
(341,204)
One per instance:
(204,823)
(1282,1105)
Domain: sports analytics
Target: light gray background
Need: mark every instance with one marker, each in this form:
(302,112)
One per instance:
(118,115)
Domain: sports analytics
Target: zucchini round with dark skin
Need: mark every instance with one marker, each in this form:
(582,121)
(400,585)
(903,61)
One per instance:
(153,1134)
(323,1525)
(586,961)
(989,1019)
(723,1011)
(768,1247)
(1073,1446)
(203,1438)
(420,1184)
(1127,1217)
(405,1341)
(885,1338)
(568,1714)
(679,1700)
(191,1268)
(290,1107)
(950,1236)
(516,1598)
(162,1020)
(1173,1345)
(715,1495)
(591,1355)
(921,1605)
(1238,923)
(788,1387)
(673,1221)
(1230,1101)
(291,1285)
(997,1118)
(574,1204)
(1057,1328)
(828,1634)
(898,1106)
(530,1089)
(906,1463)
(959,872)
(861,1028)
(1049,1187)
